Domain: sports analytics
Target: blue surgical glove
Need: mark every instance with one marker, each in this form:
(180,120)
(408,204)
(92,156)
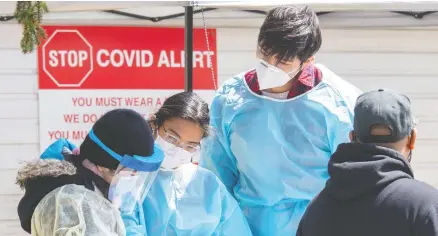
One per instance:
(57,149)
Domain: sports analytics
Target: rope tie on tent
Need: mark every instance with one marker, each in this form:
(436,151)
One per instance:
(210,62)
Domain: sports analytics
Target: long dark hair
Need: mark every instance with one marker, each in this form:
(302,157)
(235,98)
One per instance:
(186,105)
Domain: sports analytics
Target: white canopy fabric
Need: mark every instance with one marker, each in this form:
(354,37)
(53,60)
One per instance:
(229,14)
(332,5)
(8,7)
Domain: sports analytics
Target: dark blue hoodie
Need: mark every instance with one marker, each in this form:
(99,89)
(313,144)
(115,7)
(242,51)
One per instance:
(371,192)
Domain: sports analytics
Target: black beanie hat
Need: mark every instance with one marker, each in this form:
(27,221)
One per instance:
(125,132)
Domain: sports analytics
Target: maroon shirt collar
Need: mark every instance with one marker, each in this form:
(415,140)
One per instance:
(309,77)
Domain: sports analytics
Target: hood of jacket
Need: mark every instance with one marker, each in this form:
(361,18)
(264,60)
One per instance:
(43,167)
(356,169)
(38,178)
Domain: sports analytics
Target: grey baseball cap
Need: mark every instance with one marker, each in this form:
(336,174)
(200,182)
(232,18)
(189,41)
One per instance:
(383,108)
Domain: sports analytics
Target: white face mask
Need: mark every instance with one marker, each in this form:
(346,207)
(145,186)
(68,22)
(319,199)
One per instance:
(270,76)
(174,156)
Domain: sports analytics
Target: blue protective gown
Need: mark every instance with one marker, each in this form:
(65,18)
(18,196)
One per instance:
(272,155)
(191,201)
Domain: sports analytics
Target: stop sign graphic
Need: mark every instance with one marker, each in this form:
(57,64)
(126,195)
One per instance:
(67,58)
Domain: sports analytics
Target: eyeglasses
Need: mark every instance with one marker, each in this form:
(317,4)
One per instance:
(168,137)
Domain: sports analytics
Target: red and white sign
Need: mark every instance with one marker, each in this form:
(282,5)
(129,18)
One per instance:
(84,71)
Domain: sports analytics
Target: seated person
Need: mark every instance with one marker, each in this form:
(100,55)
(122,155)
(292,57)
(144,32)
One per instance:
(74,210)
(119,138)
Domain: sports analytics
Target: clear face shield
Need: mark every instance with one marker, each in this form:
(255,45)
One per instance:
(132,178)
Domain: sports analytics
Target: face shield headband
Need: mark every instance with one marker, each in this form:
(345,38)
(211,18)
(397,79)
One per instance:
(135,162)
(133,177)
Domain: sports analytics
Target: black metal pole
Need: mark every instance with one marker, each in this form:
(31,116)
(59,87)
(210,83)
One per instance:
(188,49)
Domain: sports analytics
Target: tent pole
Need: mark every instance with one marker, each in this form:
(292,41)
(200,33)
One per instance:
(188,49)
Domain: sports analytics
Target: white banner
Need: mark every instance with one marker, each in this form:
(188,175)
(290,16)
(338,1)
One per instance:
(71,113)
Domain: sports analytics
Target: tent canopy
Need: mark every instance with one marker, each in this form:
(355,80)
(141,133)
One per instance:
(332,5)
(8,7)
(234,14)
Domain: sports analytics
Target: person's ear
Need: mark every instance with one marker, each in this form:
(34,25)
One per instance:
(352,136)
(102,169)
(152,117)
(412,139)
(311,60)
(106,173)
(152,121)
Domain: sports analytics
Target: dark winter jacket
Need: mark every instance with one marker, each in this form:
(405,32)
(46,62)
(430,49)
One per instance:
(371,192)
(40,177)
